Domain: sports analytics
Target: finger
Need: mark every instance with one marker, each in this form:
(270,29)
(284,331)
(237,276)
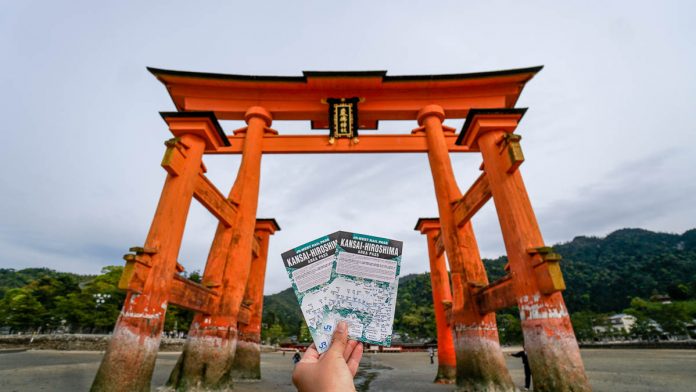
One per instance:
(349,349)
(340,339)
(354,360)
(311,355)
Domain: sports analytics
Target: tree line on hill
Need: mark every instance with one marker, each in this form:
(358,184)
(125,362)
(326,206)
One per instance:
(618,273)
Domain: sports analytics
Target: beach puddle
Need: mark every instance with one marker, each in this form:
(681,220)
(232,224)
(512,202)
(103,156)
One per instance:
(368,370)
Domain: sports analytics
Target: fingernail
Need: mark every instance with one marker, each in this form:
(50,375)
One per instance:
(342,326)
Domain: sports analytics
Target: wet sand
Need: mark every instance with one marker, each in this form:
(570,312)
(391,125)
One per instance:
(608,369)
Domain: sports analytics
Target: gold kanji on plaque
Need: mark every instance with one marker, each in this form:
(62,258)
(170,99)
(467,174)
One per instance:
(343,118)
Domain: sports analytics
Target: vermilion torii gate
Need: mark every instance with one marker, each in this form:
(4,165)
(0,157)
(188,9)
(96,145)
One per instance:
(224,336)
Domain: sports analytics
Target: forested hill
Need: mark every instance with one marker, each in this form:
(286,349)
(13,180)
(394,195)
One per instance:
(11,279)
(601,274)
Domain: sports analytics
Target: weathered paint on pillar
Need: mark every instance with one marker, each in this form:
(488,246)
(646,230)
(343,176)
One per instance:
(206,361)
(480,362)
(549,340)
(247,359)
(442,294)
(130,358)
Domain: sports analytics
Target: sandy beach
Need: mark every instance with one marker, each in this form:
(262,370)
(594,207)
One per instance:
(609,370)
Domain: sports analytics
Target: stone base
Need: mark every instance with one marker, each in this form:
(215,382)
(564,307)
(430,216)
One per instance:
(247,361)
(206,363)
(480,362)
(446,374)
(128,362)
(554,356)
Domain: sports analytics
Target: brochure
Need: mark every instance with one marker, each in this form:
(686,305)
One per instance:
(346,276)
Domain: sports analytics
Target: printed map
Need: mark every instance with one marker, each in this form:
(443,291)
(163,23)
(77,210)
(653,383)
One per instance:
(346,276)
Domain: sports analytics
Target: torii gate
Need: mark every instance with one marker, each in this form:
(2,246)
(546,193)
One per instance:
(223,340)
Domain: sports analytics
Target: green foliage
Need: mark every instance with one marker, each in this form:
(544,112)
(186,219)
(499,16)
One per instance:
(583,322)
(282,309)
(603,274)
(672,317)
(177,319)
(414,317)
(273,334)
(39,298)
(13,279)
(305,336)
(645,330)
(509,328)
(19,309)
(627,263)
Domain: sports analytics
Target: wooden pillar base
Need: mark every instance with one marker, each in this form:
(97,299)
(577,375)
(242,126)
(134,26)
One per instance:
(480,362)
(206,361)
(247,360)
(442,293)
(129,361)
(554,355)
(446,374)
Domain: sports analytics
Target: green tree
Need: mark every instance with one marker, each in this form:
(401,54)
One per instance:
(304,336)
(177,319)
(273,334)
(679,291)
(582,325)
(509,328)
(645,330)
(21,311)
(95,307)
(672,317)
(195,276)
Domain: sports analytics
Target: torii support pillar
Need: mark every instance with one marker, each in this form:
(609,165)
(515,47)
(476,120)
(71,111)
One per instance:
(554,356)
(206,361)
(480,362)
(247,358)
(442,301)
(132,351)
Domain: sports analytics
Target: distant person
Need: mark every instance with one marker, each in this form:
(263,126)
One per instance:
(296,358)
(527,372)
(333,370)
(431,352)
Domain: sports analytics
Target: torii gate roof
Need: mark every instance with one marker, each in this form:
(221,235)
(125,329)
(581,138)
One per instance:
(384,97)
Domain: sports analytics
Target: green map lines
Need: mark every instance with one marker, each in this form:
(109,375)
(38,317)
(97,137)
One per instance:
(346,276)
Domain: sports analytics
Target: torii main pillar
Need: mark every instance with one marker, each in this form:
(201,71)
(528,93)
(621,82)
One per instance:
(480,362)
(442,302)
(208,355)
(549,341)
(130,357)
(247,358)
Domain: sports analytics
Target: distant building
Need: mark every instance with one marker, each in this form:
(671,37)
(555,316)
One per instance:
(622,321)
(661,298)
(617,323)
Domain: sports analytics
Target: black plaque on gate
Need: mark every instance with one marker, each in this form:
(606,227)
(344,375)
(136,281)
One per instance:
(343,118)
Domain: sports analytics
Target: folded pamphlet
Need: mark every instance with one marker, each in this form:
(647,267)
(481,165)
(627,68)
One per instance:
(346,276)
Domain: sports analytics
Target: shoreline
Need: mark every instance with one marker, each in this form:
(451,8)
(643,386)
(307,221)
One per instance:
(87,342)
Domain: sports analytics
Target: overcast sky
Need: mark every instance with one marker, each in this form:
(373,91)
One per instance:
(609,136)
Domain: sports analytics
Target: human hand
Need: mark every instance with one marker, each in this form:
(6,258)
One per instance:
(333,370)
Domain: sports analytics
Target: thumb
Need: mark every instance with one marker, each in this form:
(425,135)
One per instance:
(340,338)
